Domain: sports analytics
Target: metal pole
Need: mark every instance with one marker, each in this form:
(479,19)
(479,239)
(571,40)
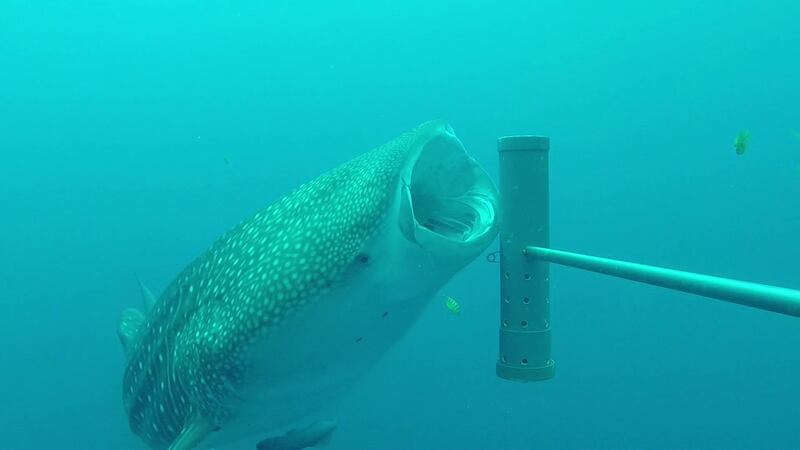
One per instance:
(524,282)
(761,296)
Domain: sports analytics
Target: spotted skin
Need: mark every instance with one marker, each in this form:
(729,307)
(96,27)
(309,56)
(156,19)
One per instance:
(187,357)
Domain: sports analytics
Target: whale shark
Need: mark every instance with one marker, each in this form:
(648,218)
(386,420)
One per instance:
(286,311)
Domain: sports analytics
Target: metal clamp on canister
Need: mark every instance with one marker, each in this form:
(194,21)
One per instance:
(524,282)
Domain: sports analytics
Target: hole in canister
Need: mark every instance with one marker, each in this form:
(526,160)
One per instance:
(524,361)
(524,324)
(503,359)
(507,299)
(527,276)
(526,300)
(505,323)
(507,275)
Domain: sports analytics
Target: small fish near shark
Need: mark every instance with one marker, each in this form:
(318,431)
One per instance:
(741,142)
(288,309)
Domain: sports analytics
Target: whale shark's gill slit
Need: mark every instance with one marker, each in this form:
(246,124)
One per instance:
(449,226)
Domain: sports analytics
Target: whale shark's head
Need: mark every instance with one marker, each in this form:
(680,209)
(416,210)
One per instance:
(453,199)
(291,306)
(445,209)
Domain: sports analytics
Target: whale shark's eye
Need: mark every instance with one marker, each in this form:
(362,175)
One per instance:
(363,258)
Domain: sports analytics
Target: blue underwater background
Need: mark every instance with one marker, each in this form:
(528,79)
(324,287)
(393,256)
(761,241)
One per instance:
(132,134)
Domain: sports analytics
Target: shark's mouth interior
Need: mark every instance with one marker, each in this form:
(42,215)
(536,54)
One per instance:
(452,195)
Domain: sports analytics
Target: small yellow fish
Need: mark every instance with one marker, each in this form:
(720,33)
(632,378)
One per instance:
(452,305)
(741,141)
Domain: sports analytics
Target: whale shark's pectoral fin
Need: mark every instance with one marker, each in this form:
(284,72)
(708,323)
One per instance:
(131,323)
(407,220)
(317,434)
(147,296)
(192,434)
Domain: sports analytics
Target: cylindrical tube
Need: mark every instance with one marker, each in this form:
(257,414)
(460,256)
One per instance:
(524,282)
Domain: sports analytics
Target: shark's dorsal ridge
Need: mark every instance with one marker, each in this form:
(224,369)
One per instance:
(148,299)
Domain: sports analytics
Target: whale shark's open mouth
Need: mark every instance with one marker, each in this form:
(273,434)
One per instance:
(452,196)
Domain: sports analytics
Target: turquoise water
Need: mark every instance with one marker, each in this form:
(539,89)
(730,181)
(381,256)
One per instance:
(132,135)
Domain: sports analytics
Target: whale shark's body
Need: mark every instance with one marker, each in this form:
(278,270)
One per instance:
(286,310)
